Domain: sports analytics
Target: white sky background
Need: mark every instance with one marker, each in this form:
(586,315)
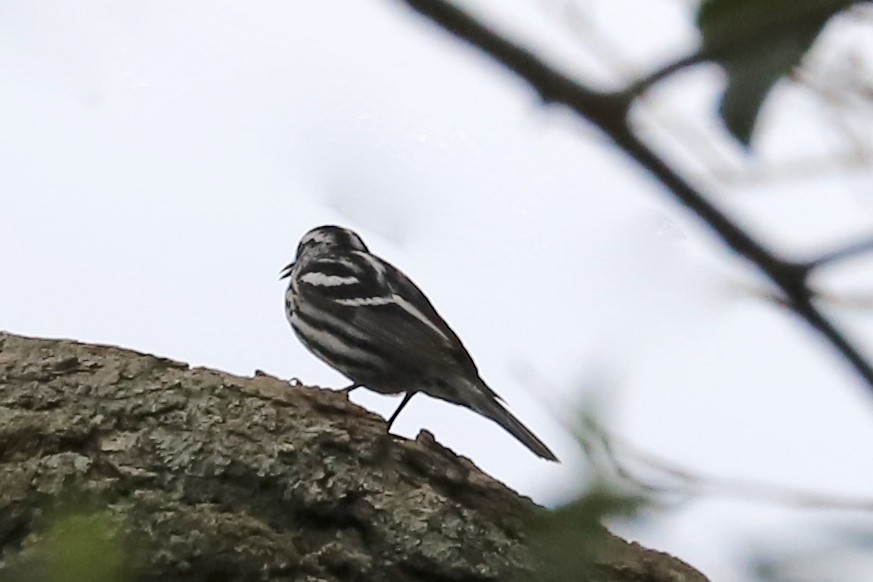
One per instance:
(160,161)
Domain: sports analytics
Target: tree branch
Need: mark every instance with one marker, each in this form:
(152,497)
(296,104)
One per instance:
(845,253)
(618,458)
(641,85)
(609,112)
(206,476)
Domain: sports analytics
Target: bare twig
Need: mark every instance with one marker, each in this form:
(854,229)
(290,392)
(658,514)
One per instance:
(646,82)
(608,112)
(668,119)
(679,480)
(847,252)
(798,169)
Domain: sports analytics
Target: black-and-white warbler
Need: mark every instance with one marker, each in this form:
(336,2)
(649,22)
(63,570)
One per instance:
(366,319)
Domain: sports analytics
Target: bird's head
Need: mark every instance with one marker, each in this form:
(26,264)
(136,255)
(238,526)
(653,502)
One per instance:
(326,239)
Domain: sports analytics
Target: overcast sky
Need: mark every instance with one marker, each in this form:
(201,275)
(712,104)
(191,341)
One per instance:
(160,161)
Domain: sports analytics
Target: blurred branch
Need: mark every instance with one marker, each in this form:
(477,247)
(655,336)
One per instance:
(800,168)
(859,301)
(609,112)
(862,301)
(847,252)
(643,84)
(666,117)
(616,455)
(842,97)
(843,86)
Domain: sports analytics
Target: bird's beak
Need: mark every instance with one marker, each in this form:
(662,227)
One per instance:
(286,271)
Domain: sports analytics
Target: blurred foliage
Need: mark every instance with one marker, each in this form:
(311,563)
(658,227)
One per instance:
(568,540)
(77,545)
(83,548)
(758,42)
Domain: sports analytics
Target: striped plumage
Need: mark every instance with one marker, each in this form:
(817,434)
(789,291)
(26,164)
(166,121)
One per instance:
(368,320)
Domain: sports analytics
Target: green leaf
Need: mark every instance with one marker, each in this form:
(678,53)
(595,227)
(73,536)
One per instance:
(751,78)
(567,541)
(758,42)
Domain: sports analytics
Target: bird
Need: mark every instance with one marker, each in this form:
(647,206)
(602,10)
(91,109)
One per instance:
(365,318)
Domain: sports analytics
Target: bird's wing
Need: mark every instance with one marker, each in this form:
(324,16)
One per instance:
(382,304)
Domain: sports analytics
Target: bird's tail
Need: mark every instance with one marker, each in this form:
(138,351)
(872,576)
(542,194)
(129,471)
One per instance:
(488,405)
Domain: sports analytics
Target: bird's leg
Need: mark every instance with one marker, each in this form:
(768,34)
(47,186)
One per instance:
(405,401)
(348,389)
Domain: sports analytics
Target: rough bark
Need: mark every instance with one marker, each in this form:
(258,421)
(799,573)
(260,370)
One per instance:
(209,476)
